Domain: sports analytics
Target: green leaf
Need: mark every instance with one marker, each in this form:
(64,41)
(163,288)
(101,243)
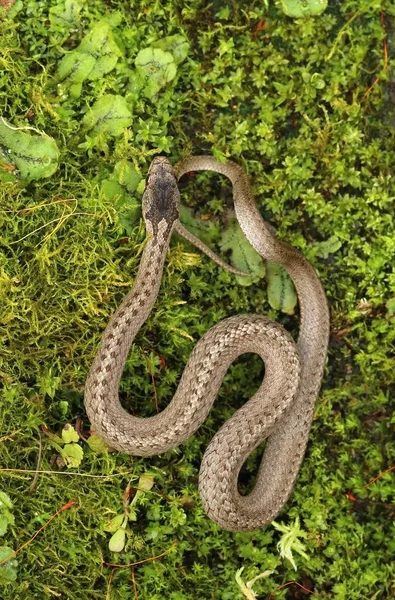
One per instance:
(127,176)
(329,246)
(289,542)
(5,500)
(48,383)
(177,45)
(101,44)
(96,56)
(3,524)
(73,69)
(154,69)
(280,290)
(303,8)
(33,156)
(146,482)
(204,230)
(72,455)
(246,588)
(8,569)
(69,434)
(97,444)
(65,15)
(114,524)
(390,306)
(117,541)
(109,114)
(243,255)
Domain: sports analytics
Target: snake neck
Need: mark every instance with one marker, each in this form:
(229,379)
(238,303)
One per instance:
(137,305)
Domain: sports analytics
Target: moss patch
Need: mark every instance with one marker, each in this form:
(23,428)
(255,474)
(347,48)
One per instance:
(307,107)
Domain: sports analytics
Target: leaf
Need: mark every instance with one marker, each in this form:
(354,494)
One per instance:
(177,45)
(280,290)
(97,444)
(114,524)
(101,44)
(65,15)
(8,569)
(127,176)
(72,455)
(243,255)
(289,541)
(3,524)
(117,541)
(75,67)
(120,188)
(204,230)
(145,483)
(390,306)
(5,500)
(69,434)
(246,588)
(33,156)
(109,114)
(329,246)
(97,55)
(154,69)
(303,8)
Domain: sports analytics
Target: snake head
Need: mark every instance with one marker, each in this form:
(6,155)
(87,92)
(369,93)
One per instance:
(161,198)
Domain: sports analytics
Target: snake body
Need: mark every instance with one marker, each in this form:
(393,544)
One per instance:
(280,411)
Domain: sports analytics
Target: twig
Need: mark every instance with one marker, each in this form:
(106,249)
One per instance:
(29,471)
(134,583)
(61,509)
(379,476)
(140,562)
(385,66)
(271,597)
(108,597)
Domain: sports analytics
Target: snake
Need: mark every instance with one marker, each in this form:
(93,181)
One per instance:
(280,412)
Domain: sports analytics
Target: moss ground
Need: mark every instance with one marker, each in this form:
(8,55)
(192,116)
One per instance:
(307,107)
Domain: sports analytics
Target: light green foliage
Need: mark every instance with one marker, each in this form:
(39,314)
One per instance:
(8,569)
(66,15)
(6,516)
(96,56)
(287,99)
(246,588)
(281,292)
(243,255)
(157,66)
(8,572)
(118,525)
(303,8)
(290,541)
(110,115)
(26,155)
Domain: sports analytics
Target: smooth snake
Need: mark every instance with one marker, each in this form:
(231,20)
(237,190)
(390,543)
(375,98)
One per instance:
(280,412)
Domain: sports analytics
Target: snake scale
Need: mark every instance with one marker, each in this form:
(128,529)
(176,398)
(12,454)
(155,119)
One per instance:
(280,412)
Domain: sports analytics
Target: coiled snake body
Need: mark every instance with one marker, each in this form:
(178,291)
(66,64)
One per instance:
(280,411)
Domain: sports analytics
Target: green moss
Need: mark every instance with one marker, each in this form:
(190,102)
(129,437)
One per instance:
(288,100)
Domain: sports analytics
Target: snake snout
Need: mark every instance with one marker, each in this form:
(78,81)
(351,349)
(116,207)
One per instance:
(161,199)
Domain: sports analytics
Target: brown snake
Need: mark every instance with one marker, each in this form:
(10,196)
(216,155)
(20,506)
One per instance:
(280,411)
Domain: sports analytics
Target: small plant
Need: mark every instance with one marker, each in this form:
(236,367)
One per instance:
(118,525)
(290,541)
(8,572)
